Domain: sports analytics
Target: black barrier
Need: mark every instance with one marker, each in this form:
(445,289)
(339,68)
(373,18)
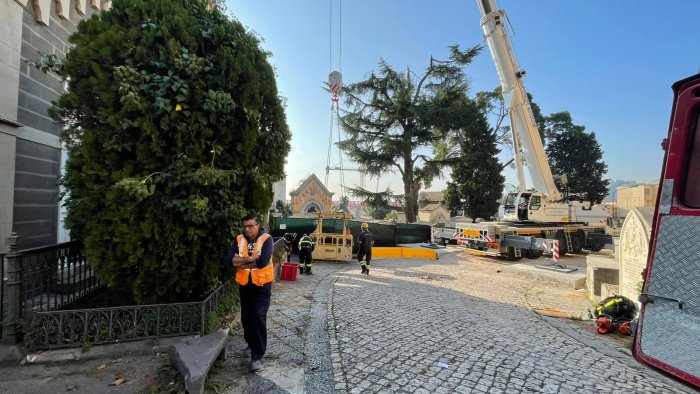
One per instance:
(384,234)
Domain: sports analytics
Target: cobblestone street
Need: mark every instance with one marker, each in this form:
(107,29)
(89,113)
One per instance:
(453,325)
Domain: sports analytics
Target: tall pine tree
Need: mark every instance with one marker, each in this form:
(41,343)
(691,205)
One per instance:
(394,118)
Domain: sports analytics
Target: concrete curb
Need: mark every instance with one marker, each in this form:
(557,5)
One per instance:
(115,350)
(194,358)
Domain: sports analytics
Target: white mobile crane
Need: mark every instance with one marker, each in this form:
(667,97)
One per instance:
(530,217)
(545,203)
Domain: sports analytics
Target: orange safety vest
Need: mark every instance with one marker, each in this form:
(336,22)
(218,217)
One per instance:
(259,276)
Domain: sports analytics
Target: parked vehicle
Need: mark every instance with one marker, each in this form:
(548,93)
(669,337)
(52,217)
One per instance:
(669,321)
(531,218)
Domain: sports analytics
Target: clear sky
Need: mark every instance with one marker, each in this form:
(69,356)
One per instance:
(610,64)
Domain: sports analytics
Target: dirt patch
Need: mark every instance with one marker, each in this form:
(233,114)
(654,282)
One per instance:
(164,380)
(551,312)
(616,339)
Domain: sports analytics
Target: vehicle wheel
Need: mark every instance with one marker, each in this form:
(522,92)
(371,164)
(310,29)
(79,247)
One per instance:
(563,249)
(533,254)
(511,254)
(577,241)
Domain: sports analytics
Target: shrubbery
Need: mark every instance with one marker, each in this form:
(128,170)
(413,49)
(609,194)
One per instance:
(174,128)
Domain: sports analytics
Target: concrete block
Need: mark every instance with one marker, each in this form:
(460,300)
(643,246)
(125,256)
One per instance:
(194,358)
(600,269)
(574,280)
(608,290)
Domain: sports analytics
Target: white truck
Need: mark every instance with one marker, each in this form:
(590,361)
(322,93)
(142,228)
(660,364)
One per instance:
(530,217)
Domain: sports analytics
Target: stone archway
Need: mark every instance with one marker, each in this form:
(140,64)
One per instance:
(312,207)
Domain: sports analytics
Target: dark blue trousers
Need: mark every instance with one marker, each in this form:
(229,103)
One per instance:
(255,301)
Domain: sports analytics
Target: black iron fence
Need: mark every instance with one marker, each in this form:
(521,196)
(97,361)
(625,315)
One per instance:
(71,328)
(42,279)
(54,277)
(38,285)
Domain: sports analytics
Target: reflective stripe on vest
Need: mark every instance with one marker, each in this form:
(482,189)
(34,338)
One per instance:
(259,276)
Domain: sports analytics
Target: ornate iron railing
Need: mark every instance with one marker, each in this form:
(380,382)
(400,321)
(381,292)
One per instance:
(78,327)
(55,277)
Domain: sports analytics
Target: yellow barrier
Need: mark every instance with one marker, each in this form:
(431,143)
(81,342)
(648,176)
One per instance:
(404,253)
(476,252)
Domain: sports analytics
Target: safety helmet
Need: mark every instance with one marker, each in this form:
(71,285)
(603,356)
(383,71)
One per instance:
(365,226)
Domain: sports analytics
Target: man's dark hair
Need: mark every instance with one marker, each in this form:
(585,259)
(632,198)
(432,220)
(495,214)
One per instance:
(251,216)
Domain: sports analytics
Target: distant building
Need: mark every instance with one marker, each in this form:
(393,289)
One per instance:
(433,214)
(280,192)
(638,196)
(432,209)
(31,154)
(311,196)
(428,198)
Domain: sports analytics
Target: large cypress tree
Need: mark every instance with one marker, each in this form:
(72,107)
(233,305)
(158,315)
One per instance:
(174,129)
(477,183)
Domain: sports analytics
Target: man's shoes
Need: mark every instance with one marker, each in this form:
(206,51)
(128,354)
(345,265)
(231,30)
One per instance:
(367,272)
(308,272)
(255,365)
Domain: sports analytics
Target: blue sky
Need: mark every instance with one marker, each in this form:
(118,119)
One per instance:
(610,64)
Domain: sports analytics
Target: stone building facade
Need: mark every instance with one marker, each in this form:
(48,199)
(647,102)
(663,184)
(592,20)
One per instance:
(636,196)
(433,214)
(311,196)
(30,149)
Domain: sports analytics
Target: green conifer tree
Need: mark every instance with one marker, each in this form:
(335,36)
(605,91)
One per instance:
(174,129)
(477,183)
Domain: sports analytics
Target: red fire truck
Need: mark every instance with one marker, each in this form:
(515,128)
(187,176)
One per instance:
(668,333)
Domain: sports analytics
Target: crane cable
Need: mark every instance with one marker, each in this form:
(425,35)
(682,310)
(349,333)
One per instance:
(335,110)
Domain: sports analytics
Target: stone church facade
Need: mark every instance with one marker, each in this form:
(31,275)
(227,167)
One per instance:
(311,196)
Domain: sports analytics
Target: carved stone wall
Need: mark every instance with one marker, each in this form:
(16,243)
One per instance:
(634,249)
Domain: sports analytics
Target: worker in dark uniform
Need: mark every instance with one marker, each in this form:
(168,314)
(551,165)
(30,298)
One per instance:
(364,252)
(288,241)
(306,247)
(250,254)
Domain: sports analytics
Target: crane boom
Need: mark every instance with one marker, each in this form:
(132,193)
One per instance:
(523,125)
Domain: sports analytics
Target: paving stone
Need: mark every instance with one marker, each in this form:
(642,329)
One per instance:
(479,323)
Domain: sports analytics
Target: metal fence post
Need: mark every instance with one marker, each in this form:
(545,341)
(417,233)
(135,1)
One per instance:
(10,327)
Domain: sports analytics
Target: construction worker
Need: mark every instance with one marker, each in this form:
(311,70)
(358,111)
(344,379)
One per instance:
(250,254)
(306,247)
(364,252)
(288,241)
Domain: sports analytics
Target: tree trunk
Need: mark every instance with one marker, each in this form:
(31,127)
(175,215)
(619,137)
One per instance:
(410,196)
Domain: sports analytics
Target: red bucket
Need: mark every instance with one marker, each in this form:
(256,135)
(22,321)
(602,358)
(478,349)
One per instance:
(289,271)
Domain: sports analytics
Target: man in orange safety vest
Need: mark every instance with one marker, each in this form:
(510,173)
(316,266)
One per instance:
(250,254)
